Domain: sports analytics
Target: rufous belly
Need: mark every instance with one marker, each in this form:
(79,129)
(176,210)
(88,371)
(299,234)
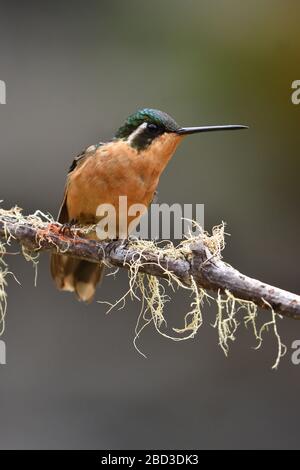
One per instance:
(114,171)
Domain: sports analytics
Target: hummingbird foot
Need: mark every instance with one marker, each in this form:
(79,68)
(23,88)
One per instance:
(66,229)
(114,244)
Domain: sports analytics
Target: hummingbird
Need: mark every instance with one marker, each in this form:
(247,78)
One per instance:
(129,165)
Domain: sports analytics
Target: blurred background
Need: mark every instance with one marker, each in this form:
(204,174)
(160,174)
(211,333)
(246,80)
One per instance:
(74,71)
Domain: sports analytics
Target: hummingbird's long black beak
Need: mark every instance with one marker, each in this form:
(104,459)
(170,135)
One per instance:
(195,130)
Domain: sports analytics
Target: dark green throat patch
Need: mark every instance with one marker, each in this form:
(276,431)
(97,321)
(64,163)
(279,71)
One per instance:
(144,126)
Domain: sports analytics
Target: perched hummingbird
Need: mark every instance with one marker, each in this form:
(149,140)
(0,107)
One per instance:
(129,165)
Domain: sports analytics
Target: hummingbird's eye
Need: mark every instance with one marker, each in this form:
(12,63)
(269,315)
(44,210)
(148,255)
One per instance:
(152,127)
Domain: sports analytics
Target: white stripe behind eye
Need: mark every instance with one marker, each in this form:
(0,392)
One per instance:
(137,132)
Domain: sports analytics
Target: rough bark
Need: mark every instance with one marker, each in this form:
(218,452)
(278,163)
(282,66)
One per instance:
(209,272)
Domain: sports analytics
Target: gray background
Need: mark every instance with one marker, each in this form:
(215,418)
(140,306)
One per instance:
(74,71)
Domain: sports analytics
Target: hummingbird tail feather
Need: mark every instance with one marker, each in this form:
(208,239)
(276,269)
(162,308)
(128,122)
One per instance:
(73,275)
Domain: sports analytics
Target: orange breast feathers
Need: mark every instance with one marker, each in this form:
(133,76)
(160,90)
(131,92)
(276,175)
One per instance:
(116,169)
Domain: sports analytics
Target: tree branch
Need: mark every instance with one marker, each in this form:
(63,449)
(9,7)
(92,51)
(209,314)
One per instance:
(199,264)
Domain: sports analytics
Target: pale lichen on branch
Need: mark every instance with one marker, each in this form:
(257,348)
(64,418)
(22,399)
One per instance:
(195,266)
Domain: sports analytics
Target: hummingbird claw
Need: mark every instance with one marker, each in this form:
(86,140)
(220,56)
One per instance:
(66,229)
(111,246)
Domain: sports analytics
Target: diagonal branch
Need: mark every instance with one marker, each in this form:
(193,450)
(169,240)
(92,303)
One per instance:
(199,264)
